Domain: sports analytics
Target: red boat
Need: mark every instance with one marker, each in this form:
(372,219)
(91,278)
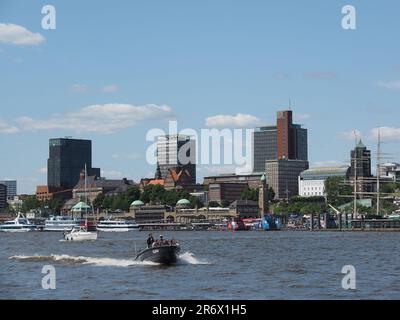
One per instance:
(237,224)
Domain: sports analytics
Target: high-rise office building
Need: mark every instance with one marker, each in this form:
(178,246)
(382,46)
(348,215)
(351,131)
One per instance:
(176,151)
(3,197)
(283,141)
(67,158)
(283,175)
(11,188)
(264,147)
(361,161)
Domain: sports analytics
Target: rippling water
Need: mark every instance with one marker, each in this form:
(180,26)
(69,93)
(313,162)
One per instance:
(213,265)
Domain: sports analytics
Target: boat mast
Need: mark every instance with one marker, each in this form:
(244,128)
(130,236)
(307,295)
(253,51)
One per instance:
(378,173)
(355,178)
(86,222)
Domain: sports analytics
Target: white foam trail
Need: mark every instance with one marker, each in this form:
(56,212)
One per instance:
(189,258)
(104,262)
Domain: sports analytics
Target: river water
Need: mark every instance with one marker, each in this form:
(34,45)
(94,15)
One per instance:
(213,265)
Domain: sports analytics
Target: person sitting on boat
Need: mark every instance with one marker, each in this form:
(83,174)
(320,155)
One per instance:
(150,240)
(162,241)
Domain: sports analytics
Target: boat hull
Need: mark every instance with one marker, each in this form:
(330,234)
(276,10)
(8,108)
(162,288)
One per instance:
(16,229)
(81,236)
(116,229)
(161,254)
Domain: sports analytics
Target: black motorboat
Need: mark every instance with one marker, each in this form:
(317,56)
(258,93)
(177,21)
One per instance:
(163,254)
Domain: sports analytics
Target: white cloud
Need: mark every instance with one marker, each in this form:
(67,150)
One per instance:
(301,117)
(5,128)
(238,121)
(106,118)
(42,170)
(111,174)
(14,34)
(80,88)
(349,135)
(109,89)
(386,133)
(394,85)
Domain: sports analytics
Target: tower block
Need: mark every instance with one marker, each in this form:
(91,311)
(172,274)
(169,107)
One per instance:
(263,197)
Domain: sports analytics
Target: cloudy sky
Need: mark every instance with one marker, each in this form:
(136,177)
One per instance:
(112,70)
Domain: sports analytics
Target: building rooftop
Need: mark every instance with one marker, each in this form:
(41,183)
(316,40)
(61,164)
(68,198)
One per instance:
(183,202)
(321,173)
(137,203)
(361,145)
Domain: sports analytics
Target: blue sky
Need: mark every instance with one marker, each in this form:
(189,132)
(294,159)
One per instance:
(135,64)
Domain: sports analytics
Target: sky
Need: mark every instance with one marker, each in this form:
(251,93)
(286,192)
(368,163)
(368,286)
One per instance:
(113,70)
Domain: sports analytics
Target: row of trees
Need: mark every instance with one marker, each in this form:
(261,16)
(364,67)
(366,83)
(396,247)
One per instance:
(153,194)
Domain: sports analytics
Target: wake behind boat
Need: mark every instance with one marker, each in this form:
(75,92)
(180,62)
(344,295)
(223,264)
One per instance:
(160,251)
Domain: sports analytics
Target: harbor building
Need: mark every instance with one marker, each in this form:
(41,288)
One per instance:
(67,158)
(11,188)
(176,152)
(312,181)
(45,193)
(388,170)
(3,197)
(252,180)
(95,186)
(282,176)
(226,191)
(360,161)
(360,170)
(286,140)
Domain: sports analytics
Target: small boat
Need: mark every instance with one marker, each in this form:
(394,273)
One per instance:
(61,223)
(19,224)
(111,225)
(164,254)
(80,234)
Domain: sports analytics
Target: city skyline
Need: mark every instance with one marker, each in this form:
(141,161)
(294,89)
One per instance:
(172,61)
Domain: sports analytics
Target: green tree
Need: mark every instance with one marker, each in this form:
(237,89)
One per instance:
(271,194)
(31,203)
(336,191)
(250,194)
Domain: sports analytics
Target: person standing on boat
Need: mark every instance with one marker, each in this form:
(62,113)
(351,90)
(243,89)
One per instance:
(150,240)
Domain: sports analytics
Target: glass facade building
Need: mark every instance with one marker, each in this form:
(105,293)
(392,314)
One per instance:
(11,188)
(283,141)
(3,196)
(176,151)
(67,159)
(264,147)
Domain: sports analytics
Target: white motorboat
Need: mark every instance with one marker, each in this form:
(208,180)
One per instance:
(111,225)
(80,234)
(61,223)
(19,224)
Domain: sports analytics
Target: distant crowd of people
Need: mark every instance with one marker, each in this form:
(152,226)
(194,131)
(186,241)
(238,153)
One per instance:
(151,242)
